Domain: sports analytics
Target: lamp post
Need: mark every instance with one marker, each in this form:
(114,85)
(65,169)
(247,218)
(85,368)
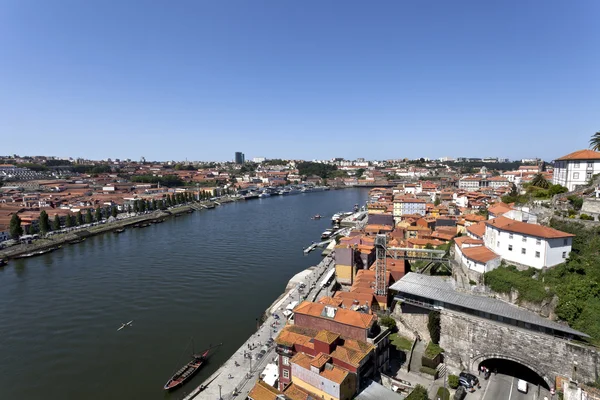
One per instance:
(220,397)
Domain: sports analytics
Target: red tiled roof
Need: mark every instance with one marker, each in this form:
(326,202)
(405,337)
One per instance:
(523,228)
(581,155)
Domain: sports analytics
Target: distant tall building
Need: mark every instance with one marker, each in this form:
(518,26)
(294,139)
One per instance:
(239,157)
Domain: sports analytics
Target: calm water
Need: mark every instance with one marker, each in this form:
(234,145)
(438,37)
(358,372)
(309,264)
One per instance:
(208,275)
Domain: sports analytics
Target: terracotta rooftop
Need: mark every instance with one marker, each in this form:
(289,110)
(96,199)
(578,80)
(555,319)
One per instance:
(523,228)
(292,335)
(479,254)
(263,391)
(477,229)
(460,241)
(320,360)
(581,155)
(499,208)
(343,316)
(327,336)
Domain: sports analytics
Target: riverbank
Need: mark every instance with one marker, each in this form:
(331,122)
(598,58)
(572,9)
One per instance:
(236,376)
(47,244)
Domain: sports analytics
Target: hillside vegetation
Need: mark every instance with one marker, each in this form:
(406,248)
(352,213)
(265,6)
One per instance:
(576,282)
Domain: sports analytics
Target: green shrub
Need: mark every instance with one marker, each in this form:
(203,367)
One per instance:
(432,350)
(388,322)
(586,217)
(576,201)
(472,282)
(428,371)
(433,325)
(503,280)
(418,393)
(400,342)
(443,394)
(453,381)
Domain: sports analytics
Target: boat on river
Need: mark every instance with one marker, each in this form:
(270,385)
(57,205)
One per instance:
(186,372)
(120,230)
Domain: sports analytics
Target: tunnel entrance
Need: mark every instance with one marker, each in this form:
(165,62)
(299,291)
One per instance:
(514,369)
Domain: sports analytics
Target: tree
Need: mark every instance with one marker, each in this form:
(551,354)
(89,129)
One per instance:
(114,211)
(98,214)
(129,208)
(56,223)
(359,172)
(136,206)
(154,204)
(89,218)
(15,227)
(388,322)
(595,142)
(79,218)
(539,181)
(44,222)
(513,190)
(453,381)
(437,201)
(68,221)
(418,393)
(433,325)
(142,205)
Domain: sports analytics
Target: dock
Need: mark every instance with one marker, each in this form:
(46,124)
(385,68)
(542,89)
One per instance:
(244,370)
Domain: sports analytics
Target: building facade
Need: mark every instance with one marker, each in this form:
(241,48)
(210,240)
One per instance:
(529,245)
(576,169)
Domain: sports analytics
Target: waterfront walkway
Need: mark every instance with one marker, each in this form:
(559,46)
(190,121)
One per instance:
(236,377)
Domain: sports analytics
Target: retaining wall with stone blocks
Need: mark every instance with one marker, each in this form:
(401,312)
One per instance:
(411,319)
(468,340)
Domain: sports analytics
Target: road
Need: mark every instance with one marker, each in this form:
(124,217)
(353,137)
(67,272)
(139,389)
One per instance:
(504,387)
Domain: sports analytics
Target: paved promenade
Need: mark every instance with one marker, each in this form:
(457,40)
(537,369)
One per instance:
(235,378)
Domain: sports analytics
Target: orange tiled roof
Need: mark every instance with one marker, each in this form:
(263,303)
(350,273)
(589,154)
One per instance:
(320,360)
(523,228)
(295,392)
(477,229)
(327,336)
(347,317)
(581,155)
(263,391)
(479,254)
(460,241)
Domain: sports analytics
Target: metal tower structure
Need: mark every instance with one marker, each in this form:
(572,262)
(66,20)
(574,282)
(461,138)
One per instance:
(380,267)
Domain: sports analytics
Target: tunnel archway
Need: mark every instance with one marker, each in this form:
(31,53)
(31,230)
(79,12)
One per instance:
(511,367)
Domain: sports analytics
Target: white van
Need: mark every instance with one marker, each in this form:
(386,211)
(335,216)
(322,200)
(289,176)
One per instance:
(522,386)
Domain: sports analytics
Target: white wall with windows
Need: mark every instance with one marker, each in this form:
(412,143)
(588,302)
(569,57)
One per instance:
(574,172)
(532,251)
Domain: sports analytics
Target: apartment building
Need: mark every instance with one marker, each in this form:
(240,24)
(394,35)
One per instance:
(576,169)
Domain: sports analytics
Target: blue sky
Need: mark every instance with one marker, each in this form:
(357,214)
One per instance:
(306,79)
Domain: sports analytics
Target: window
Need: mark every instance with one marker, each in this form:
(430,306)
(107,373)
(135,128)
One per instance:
(590,164)
(286,360)
(510,247)
(576,164)
(523,251)
(537,254)
(510,235)
(565,242)
(575,175)
(524,239)
(286,373)
(538,242)
(564,254)
(588,175)
(498,244)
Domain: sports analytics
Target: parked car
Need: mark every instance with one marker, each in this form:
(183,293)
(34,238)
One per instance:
(522,386)
(469,377)
(460,393)
(462,381)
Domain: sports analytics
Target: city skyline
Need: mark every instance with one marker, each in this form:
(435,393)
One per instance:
(280,81)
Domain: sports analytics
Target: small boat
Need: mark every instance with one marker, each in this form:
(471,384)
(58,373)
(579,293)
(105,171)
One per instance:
(188,371)
(326,235)
(120,230)
(318,216)
(124,325)
(3,262)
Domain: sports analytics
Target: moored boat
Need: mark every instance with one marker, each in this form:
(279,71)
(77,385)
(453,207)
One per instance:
(120,230)
(189,370)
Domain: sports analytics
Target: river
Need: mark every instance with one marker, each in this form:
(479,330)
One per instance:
(207,275)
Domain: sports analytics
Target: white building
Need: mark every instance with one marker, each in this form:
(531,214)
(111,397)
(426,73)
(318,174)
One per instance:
(576,168)
(405,205)
(4,236)
(531,245)
(474,255)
